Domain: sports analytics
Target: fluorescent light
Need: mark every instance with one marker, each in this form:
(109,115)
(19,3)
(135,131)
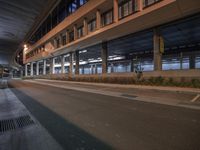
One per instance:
(83,51)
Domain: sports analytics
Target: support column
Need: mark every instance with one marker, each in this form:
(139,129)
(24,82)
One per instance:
(75,33)
(44,67)
(104,56)
(31,65)
(51,66)
(62,64)
(98,19)
(115,10)
(77,63)
(192,61)
(71,64)
(181,61)
(26,70)
(21,73)
(140,5)
(157,53)
(96,69)
(132,65)
(92,69)
(85,27)
(37,68)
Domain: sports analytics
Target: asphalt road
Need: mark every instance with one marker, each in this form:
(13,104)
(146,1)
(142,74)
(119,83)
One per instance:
(88,121)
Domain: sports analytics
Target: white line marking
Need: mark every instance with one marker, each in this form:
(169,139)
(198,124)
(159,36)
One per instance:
(195,98)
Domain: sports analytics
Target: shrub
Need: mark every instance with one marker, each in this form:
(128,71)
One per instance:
(195,83)
(158,81)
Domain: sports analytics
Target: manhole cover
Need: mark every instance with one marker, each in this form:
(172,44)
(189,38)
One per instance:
(15,123)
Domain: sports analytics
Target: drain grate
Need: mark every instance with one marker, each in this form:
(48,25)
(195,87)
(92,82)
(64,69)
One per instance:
(7,125)
(24,121)
(15,123)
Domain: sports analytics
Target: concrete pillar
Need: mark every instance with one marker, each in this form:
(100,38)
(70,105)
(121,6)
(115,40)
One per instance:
(37,68)
(62,64)
(115,10)
(21,73)
(157,53)
(26,70)
(85,31)
(75,33)
(92,69)
(96,69)
(77,63)
(132,65)
(192,61)
(98,19)
(51,66)
(31,68)
(181,61)
(67,36)
(104,56)
(140,5)
(71,59)
(44,67)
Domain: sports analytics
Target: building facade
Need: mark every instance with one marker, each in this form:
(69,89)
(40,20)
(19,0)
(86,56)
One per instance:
(88,37)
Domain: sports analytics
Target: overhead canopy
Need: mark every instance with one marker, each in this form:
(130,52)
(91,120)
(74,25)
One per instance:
(16,19)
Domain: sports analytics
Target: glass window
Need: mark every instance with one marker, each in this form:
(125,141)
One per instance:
(57,60)
(92,25)
(80,32)
(71,36)
(73,7)
(82,2)
(57,42)
(62,12)
(107,18)
(63,9)
(149,2)
(64,39)
(54,18)
(127,7)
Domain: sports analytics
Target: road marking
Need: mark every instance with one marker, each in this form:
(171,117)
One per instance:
(114,94)
(195,98)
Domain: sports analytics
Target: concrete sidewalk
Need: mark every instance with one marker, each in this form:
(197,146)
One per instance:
(146,87)
(20,132)
(182,97)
